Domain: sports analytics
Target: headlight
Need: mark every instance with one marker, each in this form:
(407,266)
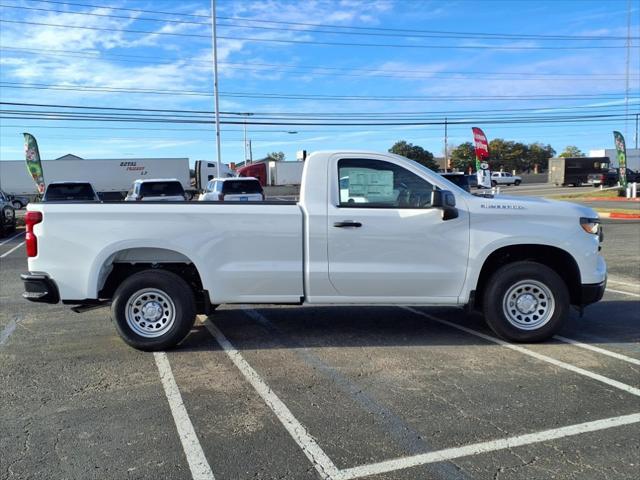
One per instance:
(590,225)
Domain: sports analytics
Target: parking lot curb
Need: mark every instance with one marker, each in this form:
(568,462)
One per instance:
(609,199)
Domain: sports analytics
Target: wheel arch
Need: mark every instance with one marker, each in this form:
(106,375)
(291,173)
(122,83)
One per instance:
(559,260)
(113,267)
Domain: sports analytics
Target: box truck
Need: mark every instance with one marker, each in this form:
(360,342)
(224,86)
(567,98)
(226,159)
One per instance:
(575,170)
(111,178)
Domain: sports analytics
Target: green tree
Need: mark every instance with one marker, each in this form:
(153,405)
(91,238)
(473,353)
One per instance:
(572,151)
(463,157)
(539,154)
(416,153)
(275,156)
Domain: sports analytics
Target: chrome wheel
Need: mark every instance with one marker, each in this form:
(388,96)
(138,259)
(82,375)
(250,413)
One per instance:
(528,305)
(150,312)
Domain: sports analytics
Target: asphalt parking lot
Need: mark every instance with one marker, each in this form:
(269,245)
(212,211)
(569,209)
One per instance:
(323,392)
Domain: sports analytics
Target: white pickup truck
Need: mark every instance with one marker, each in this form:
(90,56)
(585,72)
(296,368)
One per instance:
(370,228)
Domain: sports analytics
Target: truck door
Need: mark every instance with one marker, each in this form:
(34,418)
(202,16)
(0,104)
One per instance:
(385,240)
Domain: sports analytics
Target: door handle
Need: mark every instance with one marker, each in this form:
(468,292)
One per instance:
(348,223)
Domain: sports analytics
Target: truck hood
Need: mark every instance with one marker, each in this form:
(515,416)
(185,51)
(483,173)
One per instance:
(531,206)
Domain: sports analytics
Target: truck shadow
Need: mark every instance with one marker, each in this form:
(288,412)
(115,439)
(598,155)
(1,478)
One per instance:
(266,327)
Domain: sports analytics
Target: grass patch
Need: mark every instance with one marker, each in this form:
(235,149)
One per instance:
(618,210)
(596,193)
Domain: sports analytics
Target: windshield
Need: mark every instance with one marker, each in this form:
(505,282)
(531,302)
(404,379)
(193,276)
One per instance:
(69,191)
(430,174)
(241,186)
(161,189)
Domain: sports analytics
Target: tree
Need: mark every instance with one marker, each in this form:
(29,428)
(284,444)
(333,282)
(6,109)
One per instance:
(416,153)
(572,151)
(539,154)
(463,156)
(275,156)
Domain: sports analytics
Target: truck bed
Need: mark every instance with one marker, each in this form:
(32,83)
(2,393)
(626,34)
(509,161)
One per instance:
(245,252)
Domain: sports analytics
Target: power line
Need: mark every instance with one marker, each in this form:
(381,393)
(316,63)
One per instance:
(80,88)
(105,29)
(138,119)
(314,68)
(351,27)
(314,42)
(436,32)
(106,15)
(305,29)
(536,110)
(137,10)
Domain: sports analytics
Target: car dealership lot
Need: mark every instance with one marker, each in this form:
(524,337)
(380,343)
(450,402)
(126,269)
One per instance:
(302,392)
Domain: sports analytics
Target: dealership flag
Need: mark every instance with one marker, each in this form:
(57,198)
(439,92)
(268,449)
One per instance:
(482,156)
(32,156)
(621,149)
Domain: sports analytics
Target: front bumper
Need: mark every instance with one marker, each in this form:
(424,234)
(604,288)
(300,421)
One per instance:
(592,292)
(38,287)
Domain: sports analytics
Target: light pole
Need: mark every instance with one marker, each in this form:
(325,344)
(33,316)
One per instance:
(214,46)
(246,158)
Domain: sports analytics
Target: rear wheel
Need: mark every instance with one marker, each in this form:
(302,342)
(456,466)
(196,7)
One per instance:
(153,310)
(494,183)
(525,302)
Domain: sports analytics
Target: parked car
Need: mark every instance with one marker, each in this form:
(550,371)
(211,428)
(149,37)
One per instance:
(154,190)
(70,192)
(611,177)
(18,201)
(459,179)
(238,189)
(7,215)
(417,240)
(504,178)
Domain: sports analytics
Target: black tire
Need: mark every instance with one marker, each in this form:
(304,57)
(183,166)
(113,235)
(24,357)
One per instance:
(503,282)
(494,183)
(517,182)
(178,297)
(17,205)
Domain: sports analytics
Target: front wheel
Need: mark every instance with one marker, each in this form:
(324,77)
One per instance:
(526,302)
(153,310)
(517,182)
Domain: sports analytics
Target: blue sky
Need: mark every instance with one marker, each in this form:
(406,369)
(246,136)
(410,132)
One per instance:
(281,60)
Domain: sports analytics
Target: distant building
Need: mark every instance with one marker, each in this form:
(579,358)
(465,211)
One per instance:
(633,157)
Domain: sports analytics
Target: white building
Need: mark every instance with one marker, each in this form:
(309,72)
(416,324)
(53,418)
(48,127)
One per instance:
(633,157)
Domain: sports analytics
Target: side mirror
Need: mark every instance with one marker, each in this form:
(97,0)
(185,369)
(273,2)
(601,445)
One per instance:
(446,201)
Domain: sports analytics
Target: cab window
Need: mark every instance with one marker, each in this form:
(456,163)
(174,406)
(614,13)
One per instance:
(368,183)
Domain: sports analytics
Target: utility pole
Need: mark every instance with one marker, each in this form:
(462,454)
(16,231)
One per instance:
(626,96)
(214,46)
(637,130)
(446,147)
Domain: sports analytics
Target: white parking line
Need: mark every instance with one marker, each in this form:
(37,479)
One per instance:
(311,449)
(7,331)
(200,469)
(327,469)
(12,250)
(558,363)
(484,447)
(603,351)
(623,293)
(636,285)
(11,238)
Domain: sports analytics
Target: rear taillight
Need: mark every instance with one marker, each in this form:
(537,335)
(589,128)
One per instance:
(31,242)
(263,197)
(221,197)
